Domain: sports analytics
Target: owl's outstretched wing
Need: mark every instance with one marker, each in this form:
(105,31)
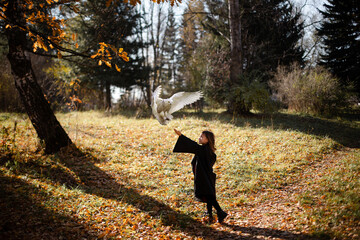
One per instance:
(156,95)
(154,98)
(181,99)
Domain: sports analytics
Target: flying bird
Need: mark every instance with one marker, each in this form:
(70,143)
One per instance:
(163,108)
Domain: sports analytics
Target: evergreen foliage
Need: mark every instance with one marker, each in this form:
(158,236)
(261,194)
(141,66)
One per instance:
(270,32)
(192,33)
(170,51)
(117,25)
(340,32)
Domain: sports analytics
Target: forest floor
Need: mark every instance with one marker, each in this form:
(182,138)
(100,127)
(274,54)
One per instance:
(284,176)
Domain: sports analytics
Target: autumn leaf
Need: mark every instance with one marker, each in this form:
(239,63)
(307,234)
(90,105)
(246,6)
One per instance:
(108,64)
(108,2)
(126,182)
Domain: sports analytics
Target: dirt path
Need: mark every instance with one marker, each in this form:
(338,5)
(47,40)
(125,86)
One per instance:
(275,213)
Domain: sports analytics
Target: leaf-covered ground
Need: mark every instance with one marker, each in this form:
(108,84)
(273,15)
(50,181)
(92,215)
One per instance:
(280,177)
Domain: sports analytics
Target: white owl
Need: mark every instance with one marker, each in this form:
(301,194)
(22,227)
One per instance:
(163,108)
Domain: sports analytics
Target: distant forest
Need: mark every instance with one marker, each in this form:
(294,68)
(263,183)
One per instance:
(258,55)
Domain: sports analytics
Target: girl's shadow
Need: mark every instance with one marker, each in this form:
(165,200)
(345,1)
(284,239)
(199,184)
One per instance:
(96,181)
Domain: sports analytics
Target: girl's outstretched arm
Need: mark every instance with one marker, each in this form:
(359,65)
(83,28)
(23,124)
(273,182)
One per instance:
(177,132)
(185,144)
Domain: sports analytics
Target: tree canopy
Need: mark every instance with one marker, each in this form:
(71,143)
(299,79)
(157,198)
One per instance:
(40,27)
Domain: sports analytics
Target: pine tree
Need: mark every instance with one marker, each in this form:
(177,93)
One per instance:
(170,50)
(23,22)
(340,32)
(117,25)
(192,36)
(269,34)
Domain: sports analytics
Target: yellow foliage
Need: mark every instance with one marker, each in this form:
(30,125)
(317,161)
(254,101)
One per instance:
(35,15)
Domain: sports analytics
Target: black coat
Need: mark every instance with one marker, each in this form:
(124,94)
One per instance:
(202,165)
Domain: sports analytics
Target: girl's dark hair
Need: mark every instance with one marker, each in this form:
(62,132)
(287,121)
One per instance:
(211,140)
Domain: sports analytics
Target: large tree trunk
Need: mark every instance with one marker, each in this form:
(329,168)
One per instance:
(32,97)
(236,61)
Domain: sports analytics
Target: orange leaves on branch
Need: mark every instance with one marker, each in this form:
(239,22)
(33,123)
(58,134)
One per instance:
(108,64)
(75,83)
(39,43)
(106,52)
(75,99)
(39,13)
(59,55)
(36,16)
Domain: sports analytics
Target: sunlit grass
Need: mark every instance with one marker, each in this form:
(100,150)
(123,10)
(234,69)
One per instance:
(130,158)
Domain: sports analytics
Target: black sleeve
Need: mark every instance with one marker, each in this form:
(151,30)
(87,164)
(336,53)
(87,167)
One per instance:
(186,145)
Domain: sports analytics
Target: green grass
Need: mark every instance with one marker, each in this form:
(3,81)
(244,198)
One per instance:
(124,180)
(334,201)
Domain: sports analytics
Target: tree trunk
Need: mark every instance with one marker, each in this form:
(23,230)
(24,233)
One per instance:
(107,96)
(236,61)
(32,97)
(235,40)
(149,90)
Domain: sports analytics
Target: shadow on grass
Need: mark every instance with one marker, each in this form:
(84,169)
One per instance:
(96,181)
(22,217)
(25,218)
(344,133)
(273,233)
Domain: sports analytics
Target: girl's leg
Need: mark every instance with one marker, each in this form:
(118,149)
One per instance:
(212,201)
(221,214)
(209,207)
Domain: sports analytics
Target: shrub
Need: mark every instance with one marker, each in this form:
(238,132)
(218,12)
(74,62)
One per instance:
(314,91)
(253,92)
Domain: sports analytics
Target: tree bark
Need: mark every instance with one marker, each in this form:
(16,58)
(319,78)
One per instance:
(236,56)
(32,97)
(235,40)
(107,96)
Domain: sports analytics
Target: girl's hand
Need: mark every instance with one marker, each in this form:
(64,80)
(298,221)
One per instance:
(177,132)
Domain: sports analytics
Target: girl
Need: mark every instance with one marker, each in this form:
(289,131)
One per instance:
(202,163)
